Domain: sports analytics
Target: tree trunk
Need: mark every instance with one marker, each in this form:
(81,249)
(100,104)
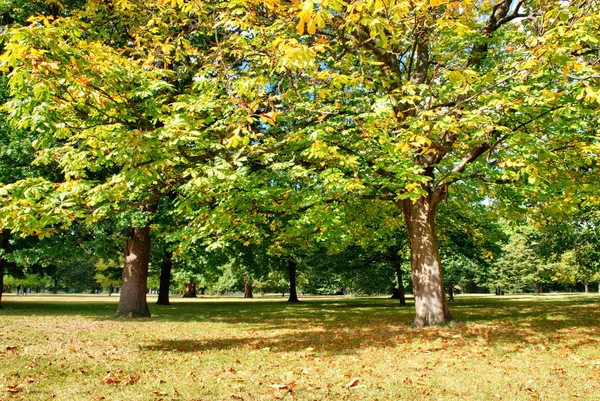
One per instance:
(165,279)
(428,287)
(3,246)
(190,290)
(247,287)
(132,302)
(396,263)
(292,275)
(451,292)
(586,285)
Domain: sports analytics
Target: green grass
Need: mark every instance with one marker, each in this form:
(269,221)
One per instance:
(509,348)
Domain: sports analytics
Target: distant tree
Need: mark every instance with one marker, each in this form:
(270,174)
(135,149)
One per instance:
(521,268)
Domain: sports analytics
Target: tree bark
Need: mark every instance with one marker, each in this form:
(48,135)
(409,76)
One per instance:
(292,275)
(3,246)
(132,302)
(428,287)
(190,290)
(586,285)
(396,263)
(165,279)
(247,287)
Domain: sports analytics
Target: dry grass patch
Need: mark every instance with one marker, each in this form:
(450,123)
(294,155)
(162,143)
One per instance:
(509,348)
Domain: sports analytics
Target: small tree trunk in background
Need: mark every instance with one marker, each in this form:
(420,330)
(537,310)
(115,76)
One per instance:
(3,246)
(190,290)
(292,275)
(132,302)
(586,285)
(165,279)
(428,287)
(202,291)
(247,287)
(400,289)
(450,292)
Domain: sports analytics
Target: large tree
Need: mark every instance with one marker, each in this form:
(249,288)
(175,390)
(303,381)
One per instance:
(407,101)
(129,100)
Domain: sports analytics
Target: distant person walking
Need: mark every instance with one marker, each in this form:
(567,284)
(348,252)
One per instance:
(19,289)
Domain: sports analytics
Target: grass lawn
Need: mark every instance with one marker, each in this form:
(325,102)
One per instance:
(336,348)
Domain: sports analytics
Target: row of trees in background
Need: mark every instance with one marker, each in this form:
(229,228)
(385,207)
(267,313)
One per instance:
(501,258)
(316,136)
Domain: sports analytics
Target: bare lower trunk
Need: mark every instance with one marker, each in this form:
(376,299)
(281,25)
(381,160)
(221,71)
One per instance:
(396,263)
(248,287)
(451,292)
(132,302)
(586,286)
(428,287)
(190,290)
(165,279)
(292,274)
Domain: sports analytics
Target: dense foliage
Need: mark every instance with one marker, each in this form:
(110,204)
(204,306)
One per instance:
(306,128)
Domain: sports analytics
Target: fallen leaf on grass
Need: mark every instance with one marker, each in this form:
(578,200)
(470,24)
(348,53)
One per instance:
(14,389)
(279,386)
(121,379)
(352,383)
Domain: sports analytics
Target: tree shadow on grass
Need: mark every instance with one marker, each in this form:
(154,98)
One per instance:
(347,325)
(346,328)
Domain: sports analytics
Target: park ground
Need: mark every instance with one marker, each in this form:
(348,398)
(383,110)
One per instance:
(69,347)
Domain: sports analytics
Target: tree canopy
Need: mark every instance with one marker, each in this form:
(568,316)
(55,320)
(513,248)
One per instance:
(266,119)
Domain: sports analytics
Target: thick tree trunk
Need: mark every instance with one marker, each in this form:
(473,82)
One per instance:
(396,263)
(165,279)
(132,302)
(586,285)
(3,246)
(190,290)
(247,287)
(428,287)
(292,275)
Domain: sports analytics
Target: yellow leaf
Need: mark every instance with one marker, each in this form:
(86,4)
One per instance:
(312,27)
(300,27)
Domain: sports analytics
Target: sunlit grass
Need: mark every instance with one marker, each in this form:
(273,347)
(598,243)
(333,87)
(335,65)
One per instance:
(337,348)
